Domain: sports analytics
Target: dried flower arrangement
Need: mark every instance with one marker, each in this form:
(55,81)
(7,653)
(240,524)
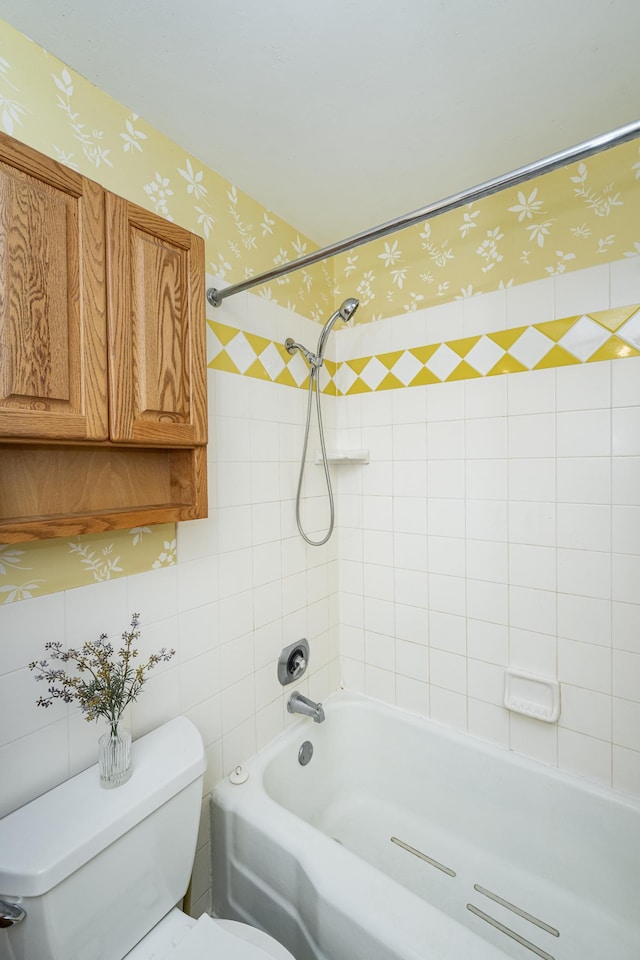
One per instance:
(105,682)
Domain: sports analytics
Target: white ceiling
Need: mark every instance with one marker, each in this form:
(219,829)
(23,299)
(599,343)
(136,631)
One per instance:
(341,114)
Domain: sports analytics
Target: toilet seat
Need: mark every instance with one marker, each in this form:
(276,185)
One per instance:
(270,947)
(179,937)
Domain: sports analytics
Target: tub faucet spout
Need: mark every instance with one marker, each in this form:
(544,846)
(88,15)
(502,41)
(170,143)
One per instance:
(297,703)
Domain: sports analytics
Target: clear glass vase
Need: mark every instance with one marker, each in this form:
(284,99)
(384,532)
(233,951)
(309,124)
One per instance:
(114,757)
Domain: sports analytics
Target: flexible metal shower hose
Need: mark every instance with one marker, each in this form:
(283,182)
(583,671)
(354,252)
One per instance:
(313,378)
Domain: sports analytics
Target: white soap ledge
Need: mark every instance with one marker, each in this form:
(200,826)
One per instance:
(537,697)
(344,456)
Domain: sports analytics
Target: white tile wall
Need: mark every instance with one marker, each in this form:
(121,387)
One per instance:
(527,530)
(245,585)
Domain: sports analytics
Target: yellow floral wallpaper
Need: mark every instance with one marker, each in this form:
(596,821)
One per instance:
(34,569)
(575,217)
(579,216)
(50,107)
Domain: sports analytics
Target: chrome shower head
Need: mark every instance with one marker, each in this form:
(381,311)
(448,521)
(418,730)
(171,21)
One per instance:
(345,313)
(315,360)
(348,309)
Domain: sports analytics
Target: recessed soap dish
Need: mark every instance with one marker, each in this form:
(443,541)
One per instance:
(537,697)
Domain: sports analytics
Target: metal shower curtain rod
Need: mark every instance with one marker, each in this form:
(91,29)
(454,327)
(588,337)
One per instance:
(521,175)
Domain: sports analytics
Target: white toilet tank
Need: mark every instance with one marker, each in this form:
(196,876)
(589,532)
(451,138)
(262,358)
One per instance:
(96,869)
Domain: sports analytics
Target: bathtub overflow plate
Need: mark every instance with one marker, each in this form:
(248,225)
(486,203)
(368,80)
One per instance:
(305,753)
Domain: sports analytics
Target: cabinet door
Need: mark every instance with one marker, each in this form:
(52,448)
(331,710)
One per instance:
(53,375)
(156,323)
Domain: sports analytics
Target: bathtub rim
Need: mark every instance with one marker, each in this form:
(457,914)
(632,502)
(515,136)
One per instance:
(345,698)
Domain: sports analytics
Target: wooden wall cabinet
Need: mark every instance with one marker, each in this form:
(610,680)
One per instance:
(103,410)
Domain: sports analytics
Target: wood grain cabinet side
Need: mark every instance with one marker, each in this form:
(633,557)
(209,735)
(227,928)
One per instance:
(103,410)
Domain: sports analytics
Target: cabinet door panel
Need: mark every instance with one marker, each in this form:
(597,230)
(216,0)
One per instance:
(156,329)
(53,380)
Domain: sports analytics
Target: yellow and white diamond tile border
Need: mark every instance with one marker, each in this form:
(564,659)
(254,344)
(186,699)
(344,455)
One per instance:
(586,338)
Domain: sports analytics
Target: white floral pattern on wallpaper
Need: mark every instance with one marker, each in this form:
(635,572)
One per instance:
(576,217)
(12,567)
(132,136)
(167,555)
(34,569)
(573,218)
(52,108)
(89,139)
(12,111)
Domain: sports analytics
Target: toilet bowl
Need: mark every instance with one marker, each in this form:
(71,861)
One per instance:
(95,874)
(179,937)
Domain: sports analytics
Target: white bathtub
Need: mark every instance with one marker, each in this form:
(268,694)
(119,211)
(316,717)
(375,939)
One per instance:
(331,858)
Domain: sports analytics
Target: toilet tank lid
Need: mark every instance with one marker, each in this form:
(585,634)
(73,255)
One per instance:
(45,841)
